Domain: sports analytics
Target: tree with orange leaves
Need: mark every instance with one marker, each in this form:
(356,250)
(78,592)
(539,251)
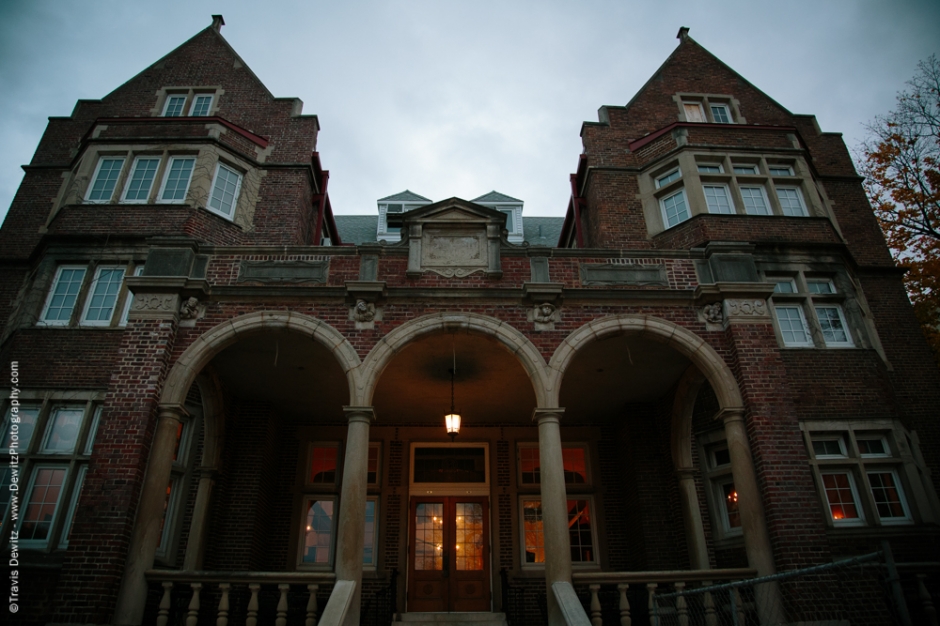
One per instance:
(901,163)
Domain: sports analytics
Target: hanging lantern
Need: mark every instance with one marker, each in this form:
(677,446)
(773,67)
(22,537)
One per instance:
(452,420)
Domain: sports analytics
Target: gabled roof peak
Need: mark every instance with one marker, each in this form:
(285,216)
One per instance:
(405,196)
(495,196)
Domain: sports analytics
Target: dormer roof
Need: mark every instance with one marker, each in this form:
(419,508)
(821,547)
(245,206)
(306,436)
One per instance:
(404,196)
(496,197)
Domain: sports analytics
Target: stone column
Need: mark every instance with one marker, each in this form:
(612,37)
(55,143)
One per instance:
(751,510)
(692,514)
(195,548)
(352,504)
(554,508)
(146,534)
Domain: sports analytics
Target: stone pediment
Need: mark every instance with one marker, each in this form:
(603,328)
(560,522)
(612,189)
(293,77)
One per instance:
(453,238)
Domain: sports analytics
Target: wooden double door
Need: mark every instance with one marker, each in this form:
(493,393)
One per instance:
(449,554)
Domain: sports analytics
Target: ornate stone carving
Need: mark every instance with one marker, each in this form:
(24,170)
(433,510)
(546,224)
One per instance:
(154,302)
(453,254)
(748,309)
(363,311)
(713,313)
(544,313)
(190,309)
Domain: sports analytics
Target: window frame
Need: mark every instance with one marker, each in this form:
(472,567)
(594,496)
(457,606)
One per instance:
(319,497)
(77,487)
(811,303)
(102,158)
(374,563)
(90,294)
(212,190)
(308,467)
(848,343)
(166,178)
(56,513)
(374,445)
(170,97)
(806,330)
(664,211)
(128,296)
(799,199)
(49,296)
(727,192)
(727,111)
(529,445)
(195,99)
(592,510)
(763,194)
(856,500)
(129,180)
(659,182)
(905,519)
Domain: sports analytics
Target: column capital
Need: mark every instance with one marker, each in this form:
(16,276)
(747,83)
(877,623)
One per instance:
(176,412)
(359,414)
(540,415)
(730,414)
(685,473)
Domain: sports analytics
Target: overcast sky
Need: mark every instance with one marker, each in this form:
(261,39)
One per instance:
(459,98)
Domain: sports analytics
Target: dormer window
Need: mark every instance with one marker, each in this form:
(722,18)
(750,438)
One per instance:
(510,207)
(391,211)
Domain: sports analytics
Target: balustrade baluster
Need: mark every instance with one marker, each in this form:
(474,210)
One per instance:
(222,619)
(163,614)
(282,606)
(682,608)
(651,604)
(925,600)
(253,605)
(739,615)
(312,606)
(711,617)
(192,617)
(625,619)
(596,619)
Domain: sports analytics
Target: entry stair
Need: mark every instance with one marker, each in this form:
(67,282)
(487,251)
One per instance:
(452,619)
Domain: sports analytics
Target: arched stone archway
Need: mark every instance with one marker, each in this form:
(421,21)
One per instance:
(513,340)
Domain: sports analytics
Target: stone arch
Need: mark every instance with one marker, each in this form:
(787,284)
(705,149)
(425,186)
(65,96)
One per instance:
(213,341)
(512,339)
(705,358)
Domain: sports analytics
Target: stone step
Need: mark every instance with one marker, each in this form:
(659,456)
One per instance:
(443,619)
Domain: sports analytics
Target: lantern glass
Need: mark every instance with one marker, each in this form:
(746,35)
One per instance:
(452,422)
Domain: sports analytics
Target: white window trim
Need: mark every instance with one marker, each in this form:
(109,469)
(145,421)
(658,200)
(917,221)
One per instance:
(94,179)
(169,517)
(799,198)
(820,281)
(34,472)
(755,169)
(662,209)
(789,281)
(73,504)
(50,422)
(166,104)
(701,110)
(868,455)
(847,471)
(166,176)
(333,531)
(84,321)
(727,197)
(720,105)
(889,521)
(58,275)
(763,191)
(721,168)
(92,431)
(848,343)
(809,336)
(575,564)
(469,489)
(130,178)
(129,297)
(238,187)
(192,105)
(773,166)
(830,437)
(658,179)
(727,529)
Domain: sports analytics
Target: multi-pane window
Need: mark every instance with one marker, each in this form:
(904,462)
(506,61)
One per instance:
(809,312)
(707,109)
(791,201)
(176,182)
(105,179)
(201,106)
(665,179)
(225,190)
(317,533)
(675,210)
(63,295)
(722,493)
(859,473)
(755,200)
(372,473)
(717,199)
(174,106)
(574,463)
(103,295)
(720,114)
(140,182)
(780,170)
(128,298)
(580,531)
(710,168)
(323,464)
(52,436)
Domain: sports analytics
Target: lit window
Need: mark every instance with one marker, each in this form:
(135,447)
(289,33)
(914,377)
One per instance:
(141,179)
(709,168)
(793,326)
(62,430)
(675,210)
(176,182)
(174,106)
(62,296)
(755,199)
(225,189)
(693,112)
(102,298)
(841,498)
(574,462)
(662,181)
(317,532)
(888,497)
(731,518)
(42,503)
(201,106)
(720,114)
(580,531)
(105,179)
(323,462)
(20,432)
(717,199)
(791,201)
(834,329)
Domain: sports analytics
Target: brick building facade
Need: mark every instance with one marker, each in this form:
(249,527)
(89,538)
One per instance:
(224,390)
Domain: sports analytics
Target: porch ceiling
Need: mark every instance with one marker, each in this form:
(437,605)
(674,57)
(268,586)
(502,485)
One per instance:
(296,375)
(616,371)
